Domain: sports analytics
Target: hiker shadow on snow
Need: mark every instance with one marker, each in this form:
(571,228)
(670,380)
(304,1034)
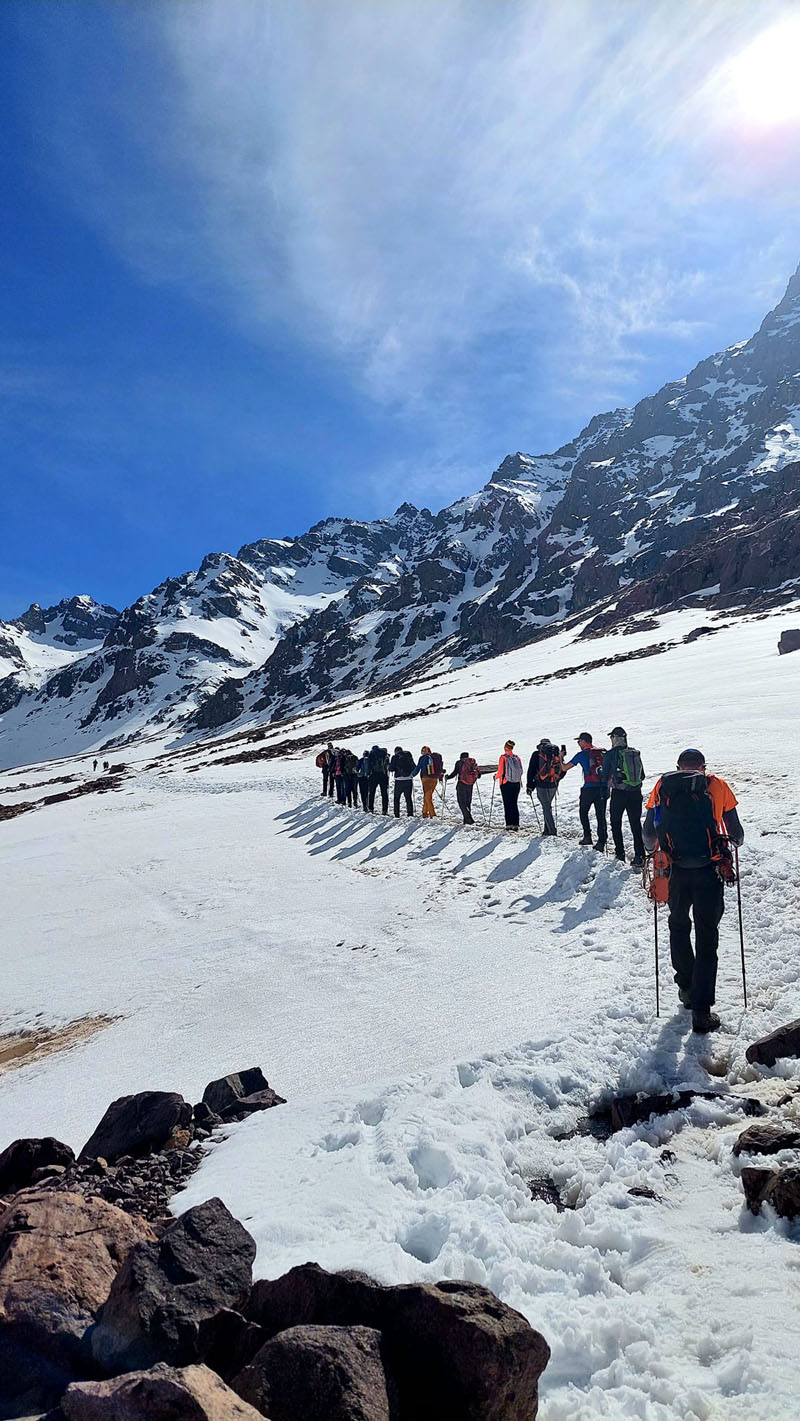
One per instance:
(571,876)
(602,893)
(433,849)
(480,853)
(393,845)
(513,867)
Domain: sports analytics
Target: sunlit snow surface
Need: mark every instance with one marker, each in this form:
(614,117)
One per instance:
(438,1004)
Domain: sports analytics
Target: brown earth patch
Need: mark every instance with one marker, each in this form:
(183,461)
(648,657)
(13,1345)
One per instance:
(17,1048)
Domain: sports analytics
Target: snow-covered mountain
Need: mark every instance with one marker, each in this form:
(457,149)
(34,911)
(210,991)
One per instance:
(46,640)
(632,513)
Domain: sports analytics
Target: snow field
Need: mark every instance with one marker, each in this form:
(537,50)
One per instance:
(441,1006)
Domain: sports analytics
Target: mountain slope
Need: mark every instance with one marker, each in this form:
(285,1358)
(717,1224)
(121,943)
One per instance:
(293,623)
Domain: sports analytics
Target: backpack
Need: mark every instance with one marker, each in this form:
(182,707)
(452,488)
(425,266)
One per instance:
(596,757)
(378,762)
(438,765)
(349,762)
(512,770)
(628,769)
(468,773)
(550,769)
(404,764)
(321,760)
(684,817)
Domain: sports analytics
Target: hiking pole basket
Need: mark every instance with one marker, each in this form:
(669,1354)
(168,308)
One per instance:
(741,928)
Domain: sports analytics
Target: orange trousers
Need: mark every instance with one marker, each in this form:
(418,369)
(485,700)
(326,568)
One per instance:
(429,783)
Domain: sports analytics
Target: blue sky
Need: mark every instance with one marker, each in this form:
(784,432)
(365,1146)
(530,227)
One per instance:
(269,260)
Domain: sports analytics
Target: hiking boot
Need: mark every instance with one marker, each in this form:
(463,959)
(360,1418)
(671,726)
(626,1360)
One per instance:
(585,843)
(600,845)
(637,861)
(704,1021)
(685,997)
(620,857)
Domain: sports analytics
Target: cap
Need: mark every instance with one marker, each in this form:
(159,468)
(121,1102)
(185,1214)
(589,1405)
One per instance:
(618,730)
(511,742)
(584,735)
(691,757)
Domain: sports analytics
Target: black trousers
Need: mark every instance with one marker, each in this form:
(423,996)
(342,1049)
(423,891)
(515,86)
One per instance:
(593,797)
(327,780)
(464,797)
(363,789)
(545,795)
(341,788)
(403,789)
(378,781)
(351,791)
(698,891)
(510,793)
(626,801)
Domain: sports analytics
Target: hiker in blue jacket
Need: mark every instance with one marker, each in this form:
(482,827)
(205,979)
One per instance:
(593,793)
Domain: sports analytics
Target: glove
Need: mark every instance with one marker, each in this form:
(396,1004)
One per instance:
(530,793)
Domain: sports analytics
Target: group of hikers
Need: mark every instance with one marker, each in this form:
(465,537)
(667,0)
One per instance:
(690,823)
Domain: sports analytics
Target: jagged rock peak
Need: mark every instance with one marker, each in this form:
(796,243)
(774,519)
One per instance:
(71,619)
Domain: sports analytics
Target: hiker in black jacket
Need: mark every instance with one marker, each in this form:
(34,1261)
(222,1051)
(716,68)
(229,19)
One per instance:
(379,777)
(623,775)
(545,771)
(403,766)
(325,762)
(465,772)
(362,775)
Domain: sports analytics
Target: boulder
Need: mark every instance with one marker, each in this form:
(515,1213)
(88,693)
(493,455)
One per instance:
(134,1124)
(59,1254)
(767,1138)
(453,1350)
(163,1300)
(756,1184)
(784,1041)
(789,641)
(319,1374)
(236,1096)
(784,1192)
(161,1394)
(20,1161)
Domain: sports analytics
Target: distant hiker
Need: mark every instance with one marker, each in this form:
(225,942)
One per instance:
(403,768)
(430,770)
(623,775)
(362,779)
(509,777)
(350,778)
(94,766)
(379,777)
(465,772)
(593,794)
(105,764)
(325,762)
(691,814)
(545,771)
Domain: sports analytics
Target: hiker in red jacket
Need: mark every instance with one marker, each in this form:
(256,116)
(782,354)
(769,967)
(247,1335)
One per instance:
(509,777)
(466,773)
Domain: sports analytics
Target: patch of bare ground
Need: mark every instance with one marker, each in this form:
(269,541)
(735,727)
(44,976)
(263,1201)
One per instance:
(19,1048)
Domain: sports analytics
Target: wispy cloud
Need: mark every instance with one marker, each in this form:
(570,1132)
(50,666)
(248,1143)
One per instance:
(406,183)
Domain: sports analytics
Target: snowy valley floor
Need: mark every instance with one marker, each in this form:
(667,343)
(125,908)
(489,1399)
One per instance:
(441,1007)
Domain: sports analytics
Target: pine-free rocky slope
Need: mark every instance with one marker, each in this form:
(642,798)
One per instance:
(692,492)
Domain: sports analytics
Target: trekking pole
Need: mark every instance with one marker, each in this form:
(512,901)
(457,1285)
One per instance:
(536,813)
(655,933)
(480,801)
(741,928)
(491,803)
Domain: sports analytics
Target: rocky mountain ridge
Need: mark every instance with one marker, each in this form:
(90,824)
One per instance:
(292,623)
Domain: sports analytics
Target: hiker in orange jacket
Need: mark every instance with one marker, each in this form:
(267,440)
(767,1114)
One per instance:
(688,813)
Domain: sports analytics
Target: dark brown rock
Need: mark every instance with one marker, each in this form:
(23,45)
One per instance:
(162,1300)
(238,1095)
(59,1254)
(767,1137)
(789,641)
(784,1041)
(161,1394)
(784,1194)
(454,1351)
(136,1123)
(756,1184)
(20,1161)
(319,1374)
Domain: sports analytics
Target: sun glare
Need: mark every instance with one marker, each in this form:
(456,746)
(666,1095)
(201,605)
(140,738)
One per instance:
(763,81)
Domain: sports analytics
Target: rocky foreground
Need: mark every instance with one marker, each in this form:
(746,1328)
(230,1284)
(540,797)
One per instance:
(112,1308)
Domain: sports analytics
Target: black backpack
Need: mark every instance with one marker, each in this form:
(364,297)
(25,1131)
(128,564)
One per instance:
(404,763)
(684,817)
(378,762)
